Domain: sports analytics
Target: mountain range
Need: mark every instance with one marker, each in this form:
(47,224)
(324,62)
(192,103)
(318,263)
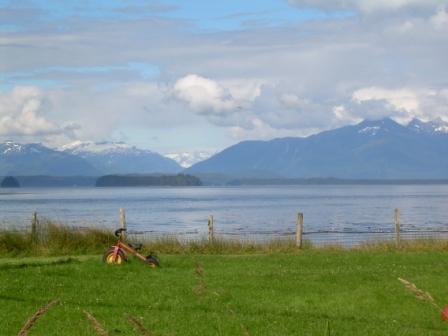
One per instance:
(120,158)
(381,149)
(81,159)
(36,159)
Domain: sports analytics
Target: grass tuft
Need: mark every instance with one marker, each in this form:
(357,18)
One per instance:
(97,326)
(138,326)
(33,319)
(201,284)
(419,294)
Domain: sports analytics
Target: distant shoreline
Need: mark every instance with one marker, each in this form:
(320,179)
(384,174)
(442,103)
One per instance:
(335,181)
(179,180)
(222,181)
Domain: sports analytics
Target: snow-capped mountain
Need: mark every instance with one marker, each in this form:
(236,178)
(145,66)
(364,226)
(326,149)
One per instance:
(36,159)
(380,149)
(121,158)
(371,149)
(187,159)
(81,159)
(95,147)
(437,126)
(10,147)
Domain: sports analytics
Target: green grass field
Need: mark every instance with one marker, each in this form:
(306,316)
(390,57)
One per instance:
(314,292)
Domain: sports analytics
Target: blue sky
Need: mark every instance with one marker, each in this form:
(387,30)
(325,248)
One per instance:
(236,15)
(206,15)
(198,16)
(185,76)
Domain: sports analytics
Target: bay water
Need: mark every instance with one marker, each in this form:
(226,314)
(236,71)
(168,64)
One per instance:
(236,210)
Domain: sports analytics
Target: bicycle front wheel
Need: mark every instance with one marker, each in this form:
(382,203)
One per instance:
(108,257)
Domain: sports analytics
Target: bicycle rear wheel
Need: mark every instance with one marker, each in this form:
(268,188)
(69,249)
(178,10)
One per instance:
(152,261)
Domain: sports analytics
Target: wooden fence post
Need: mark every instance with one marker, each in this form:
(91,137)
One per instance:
(211,233)
(34,226)
(397,226)
(299,230)
(123,222)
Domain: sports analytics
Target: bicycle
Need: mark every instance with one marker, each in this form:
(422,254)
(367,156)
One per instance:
(118,253)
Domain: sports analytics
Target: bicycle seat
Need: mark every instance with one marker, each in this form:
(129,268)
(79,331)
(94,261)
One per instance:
(135,246)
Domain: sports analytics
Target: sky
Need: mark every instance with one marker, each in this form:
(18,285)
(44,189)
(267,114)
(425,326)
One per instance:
(187,76)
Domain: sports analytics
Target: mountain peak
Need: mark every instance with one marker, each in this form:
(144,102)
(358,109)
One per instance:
(381,149)
(81,158)
(36,159)
(378,122)
(436,126)
(121,158)
(374,127)
(78,147)
(11,148)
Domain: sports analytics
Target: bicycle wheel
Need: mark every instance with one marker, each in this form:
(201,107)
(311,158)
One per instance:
(152,261)
(108,257)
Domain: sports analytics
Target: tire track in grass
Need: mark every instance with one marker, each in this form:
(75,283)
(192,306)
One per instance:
(33,319)
(202,290)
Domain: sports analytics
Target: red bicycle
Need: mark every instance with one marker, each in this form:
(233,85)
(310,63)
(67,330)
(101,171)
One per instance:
(118,253)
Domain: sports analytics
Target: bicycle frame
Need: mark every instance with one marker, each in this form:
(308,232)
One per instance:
(126,249)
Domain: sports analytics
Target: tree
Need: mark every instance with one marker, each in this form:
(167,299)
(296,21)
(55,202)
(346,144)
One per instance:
(10,182)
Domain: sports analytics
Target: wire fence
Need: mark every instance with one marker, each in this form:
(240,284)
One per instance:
(396,233)
(300,236)
(315,238)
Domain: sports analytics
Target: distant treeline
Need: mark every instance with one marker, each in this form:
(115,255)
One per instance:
(9,182)
(52,181)
(331,181)
(189,180)
(147,180)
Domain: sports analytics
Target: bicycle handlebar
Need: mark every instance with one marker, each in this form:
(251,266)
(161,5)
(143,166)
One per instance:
(119,231)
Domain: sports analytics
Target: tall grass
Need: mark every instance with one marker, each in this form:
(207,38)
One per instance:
(418,244)
(55,239)
(171,245)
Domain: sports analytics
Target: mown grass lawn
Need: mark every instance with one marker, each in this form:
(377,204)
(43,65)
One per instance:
(309,293)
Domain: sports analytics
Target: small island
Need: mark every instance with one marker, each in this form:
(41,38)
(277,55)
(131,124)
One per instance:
(179,180)
(10,182)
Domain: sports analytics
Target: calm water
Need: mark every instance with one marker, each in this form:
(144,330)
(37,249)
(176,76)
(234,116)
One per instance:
(236,209)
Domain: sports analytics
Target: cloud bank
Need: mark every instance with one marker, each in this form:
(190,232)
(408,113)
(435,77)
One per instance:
(149,77)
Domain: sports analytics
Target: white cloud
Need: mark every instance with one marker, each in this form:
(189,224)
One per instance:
(403,103)
(440,19)
(345,116)
(291,100)
(204,95)
(405,100)
(224,103)
(259,129)
(368,6)
(20,114)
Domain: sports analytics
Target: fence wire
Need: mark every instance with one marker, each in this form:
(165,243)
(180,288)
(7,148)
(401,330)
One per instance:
(315,238)
(343,238)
